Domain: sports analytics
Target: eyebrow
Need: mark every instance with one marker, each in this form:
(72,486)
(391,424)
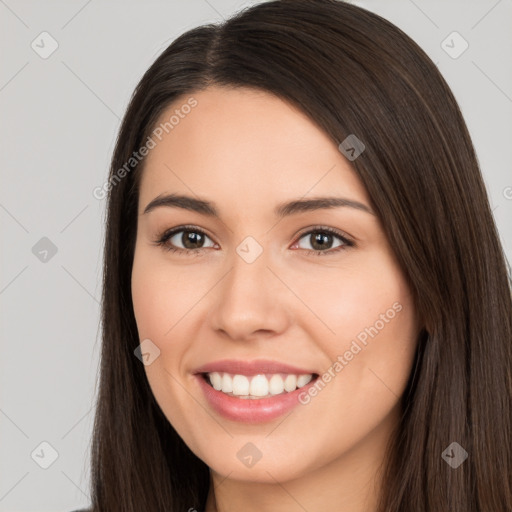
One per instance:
(281,210)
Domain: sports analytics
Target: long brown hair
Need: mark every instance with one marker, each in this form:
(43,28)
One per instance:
(351,72)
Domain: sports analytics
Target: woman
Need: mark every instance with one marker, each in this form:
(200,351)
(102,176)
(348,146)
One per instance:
(241,371)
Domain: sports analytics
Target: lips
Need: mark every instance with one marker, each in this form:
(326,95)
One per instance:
(262,407)
(255,367)
(250,411)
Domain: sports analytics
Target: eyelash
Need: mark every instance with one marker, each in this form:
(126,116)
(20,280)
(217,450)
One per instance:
(163,239)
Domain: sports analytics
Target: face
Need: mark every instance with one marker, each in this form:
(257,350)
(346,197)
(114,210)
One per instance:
(317,289)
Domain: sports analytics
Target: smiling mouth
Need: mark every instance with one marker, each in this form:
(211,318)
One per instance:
(257,386)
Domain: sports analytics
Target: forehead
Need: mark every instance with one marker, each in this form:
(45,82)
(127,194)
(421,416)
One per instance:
(244,144)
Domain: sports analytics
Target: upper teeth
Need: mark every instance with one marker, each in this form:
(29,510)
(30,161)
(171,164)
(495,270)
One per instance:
(258,385)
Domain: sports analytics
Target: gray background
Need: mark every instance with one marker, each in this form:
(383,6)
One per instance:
(60,117)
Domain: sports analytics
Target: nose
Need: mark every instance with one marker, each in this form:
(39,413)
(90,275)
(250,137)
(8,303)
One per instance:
(250,301)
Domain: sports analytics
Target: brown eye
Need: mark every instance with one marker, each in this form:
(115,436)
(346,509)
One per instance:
(184,240)
(320,241)
(190,239)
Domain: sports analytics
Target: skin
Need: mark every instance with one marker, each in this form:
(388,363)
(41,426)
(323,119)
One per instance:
(247,151)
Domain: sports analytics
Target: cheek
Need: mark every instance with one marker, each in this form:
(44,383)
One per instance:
(158,305)
(152,314)
(369,320)
(161,294)
(354,295)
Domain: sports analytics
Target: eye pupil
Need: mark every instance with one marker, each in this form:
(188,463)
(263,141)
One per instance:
(193,237)
(321,240)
